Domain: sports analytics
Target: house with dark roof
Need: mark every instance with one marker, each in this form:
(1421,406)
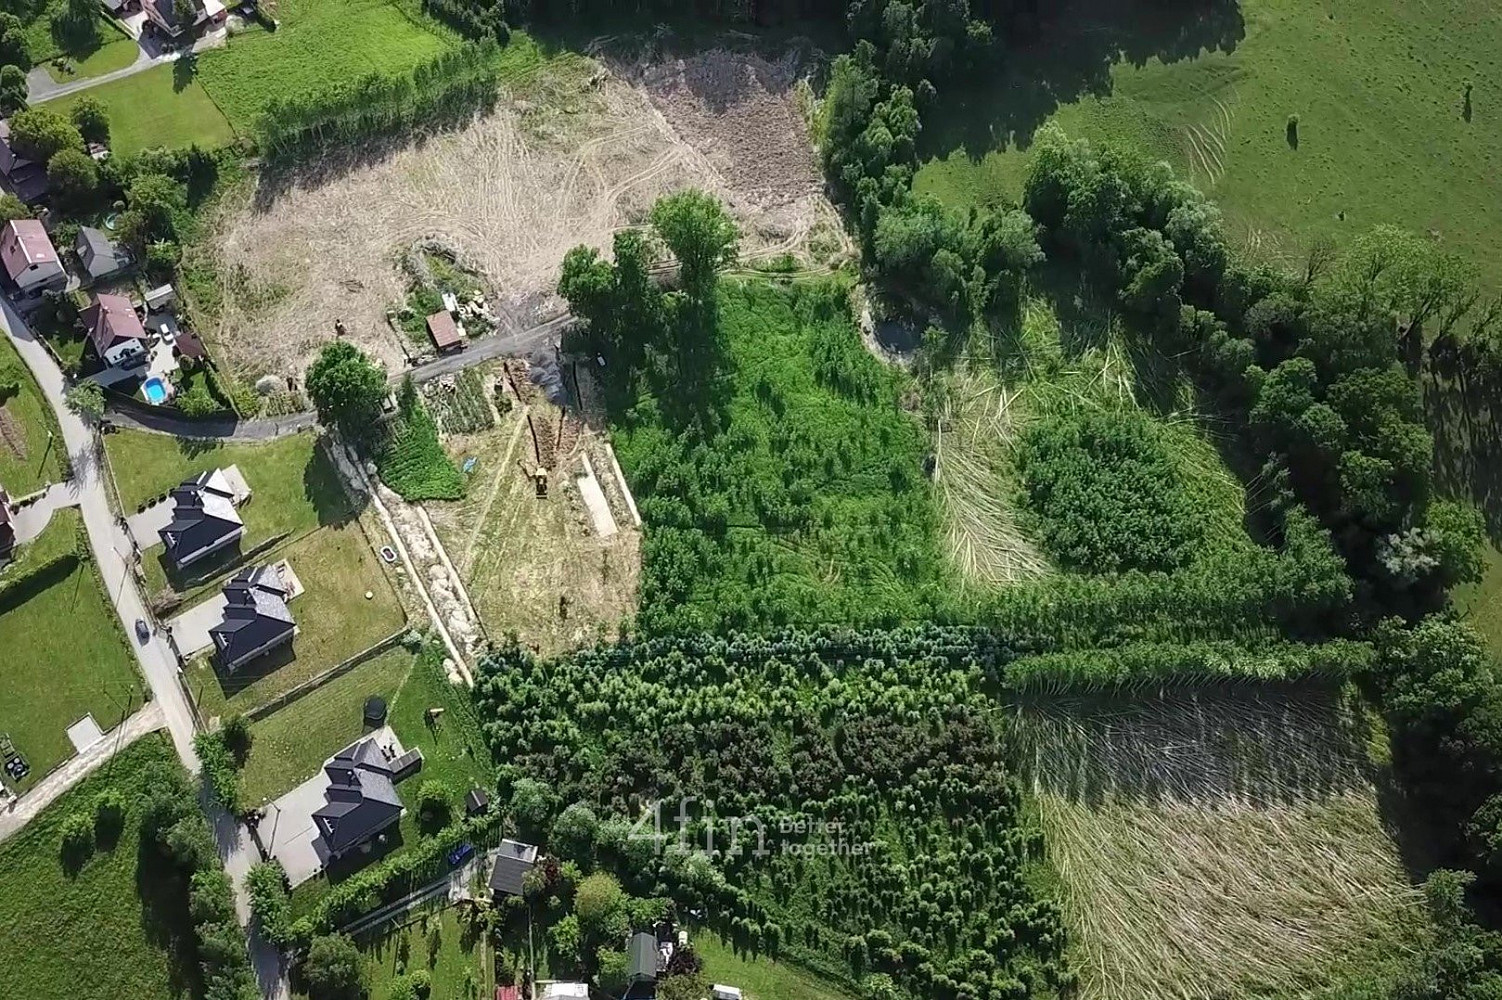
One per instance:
(361,798)
(29,259)
(115,330)
(23,178)
(256,617)
(512,862)
(642,956)
(98,255)
(204,519)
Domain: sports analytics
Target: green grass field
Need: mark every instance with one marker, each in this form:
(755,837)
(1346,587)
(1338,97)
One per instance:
(319,44)
(335,621)
(409,947)
(64,653)
(1379,88)
(290,744)
(27,458)
(759,977)
(115,51)
(158,107)
(91,935)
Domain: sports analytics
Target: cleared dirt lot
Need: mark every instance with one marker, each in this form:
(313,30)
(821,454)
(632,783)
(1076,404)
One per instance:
(575,152)
(538,566)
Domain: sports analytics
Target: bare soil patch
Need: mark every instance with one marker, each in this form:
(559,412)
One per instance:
(12,434)
(571,155)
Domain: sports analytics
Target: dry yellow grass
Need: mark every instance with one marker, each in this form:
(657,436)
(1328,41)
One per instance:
(571,154)
(1215,843)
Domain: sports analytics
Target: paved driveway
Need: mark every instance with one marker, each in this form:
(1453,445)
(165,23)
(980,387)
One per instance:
(191,628)
(146,526)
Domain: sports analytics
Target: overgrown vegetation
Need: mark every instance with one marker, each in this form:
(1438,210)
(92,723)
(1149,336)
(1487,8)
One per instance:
(449,89)
(879,834)
(410,457)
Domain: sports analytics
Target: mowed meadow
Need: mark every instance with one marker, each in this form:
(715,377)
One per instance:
(1397,105)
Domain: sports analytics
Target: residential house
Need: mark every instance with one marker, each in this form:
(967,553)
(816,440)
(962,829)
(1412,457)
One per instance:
(361,798)
(115,330)
(204,519)
(256,617)
(30,260)
(444,332)
(23,178)
(7,529)
(177,18)
(643,958)
(512,862)
(99,255)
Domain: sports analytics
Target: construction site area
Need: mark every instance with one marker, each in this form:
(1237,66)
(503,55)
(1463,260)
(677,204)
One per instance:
(576,149)
(547,540)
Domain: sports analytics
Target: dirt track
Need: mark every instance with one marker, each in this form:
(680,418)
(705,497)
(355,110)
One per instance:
(570,157)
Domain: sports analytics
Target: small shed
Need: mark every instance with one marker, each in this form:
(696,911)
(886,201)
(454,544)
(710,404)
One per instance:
(476,801)
(162,295)
(722,992)
(445,332)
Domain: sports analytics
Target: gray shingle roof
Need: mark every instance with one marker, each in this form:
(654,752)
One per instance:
(255,616)
(512,863)
(100,255)
(202,515)
(361,798)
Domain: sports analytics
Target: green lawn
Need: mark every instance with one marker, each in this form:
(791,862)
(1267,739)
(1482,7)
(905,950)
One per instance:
(158,107)
(408,948)
(295,487)
(453,748)
(335,621)
(759,977)
(1378,86)
(115,51)
(90,935)
(319,44)
(27,458)
(64,654)
(293,742)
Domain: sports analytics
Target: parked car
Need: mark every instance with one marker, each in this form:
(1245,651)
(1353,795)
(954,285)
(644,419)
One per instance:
(143,631)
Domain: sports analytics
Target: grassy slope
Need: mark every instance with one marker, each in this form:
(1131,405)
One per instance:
(290,744)
(759,978)
(85,937)
(334,620)
(27,413)
(319,43)
(64,655)
(1378,87)
(157,107)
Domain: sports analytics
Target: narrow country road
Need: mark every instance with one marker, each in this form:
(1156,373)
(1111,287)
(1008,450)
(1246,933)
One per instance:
(111,548)
(41,87)
(266,429)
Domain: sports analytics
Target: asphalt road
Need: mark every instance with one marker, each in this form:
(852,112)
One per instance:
(112,552)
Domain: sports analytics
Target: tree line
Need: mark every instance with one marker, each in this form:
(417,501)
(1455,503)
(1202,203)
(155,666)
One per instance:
(445,91)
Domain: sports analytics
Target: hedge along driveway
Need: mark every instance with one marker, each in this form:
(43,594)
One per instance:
(318,45)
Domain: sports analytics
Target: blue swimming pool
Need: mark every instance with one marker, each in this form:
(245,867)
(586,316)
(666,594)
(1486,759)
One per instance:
(155,390)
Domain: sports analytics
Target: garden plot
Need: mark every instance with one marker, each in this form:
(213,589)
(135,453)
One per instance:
(571,154)
(538,566)
(1215,842)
